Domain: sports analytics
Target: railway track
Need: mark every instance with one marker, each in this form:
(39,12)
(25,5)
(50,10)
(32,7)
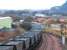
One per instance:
(50,42)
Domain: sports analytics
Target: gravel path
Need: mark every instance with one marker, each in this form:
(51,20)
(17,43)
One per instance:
(50,42)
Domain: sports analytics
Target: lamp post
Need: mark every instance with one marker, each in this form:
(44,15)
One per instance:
(62,34)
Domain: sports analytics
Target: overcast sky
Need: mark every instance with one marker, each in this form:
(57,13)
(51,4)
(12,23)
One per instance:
(29,4)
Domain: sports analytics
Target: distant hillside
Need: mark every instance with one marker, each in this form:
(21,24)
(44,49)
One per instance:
(59,9)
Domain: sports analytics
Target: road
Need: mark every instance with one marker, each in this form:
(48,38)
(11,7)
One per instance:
(50,42)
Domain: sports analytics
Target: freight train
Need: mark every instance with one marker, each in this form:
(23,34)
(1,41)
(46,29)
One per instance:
(23,41)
